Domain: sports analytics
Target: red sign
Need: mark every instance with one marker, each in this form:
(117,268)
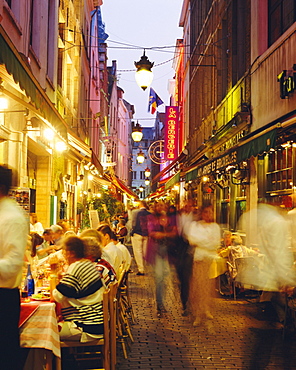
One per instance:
(171,133)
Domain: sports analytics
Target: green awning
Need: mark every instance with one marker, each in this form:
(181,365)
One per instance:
(172,181)
(14,67)
(260,145)
(191,175)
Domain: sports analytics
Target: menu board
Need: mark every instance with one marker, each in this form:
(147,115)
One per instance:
(22,196)
(94,219)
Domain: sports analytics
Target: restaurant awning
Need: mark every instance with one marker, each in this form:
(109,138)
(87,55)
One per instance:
(171,166)
(121,186)
(259,145)
(172,181)
(96,162)
(238,153)
(22,75)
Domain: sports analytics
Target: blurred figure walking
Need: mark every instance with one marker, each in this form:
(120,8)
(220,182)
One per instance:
(162,232)
(140,236)
(205,236)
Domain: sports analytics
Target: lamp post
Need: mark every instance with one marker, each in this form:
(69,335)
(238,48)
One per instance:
(147,172)
(144,75)
(140,157)
(137,133)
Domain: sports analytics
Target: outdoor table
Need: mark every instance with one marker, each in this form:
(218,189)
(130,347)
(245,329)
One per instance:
(218,267)
(39,332)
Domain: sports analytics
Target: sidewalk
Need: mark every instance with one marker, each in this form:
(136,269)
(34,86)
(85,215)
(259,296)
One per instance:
(238,338)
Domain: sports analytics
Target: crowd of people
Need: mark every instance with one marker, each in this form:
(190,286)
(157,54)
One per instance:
(187,241)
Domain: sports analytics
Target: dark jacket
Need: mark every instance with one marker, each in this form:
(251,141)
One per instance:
(141,227)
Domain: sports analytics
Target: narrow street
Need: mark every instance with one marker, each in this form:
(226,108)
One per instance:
(239,337)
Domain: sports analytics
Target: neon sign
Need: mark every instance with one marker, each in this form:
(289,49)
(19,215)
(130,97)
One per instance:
(171,133)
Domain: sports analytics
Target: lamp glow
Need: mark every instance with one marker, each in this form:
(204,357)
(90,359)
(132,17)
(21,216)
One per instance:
(147,182)
(49,134)
(3,103)
(140,157)
(137,133)
(144,75)
(61,146)
(147,172)
(141,189)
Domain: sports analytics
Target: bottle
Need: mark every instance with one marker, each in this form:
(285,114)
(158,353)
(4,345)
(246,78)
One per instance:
(30,285)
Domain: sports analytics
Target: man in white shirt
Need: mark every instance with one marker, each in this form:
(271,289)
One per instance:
(14,230)
(110,251)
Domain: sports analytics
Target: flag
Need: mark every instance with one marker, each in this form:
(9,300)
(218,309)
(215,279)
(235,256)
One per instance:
(154,101)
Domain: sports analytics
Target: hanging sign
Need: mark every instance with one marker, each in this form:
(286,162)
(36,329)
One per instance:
(171,133)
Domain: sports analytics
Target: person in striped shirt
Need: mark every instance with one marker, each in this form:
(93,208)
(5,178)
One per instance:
(80,293)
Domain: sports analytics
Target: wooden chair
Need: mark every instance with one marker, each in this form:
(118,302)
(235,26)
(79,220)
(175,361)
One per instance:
(122,322)
(98,349)
(112,312)
(125,297)
(247,273)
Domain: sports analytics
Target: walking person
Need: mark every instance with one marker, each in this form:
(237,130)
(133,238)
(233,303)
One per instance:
(140,236)
(204,236)
(162,232)
(14,231)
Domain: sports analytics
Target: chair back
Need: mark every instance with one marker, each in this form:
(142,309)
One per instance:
(112,324)
(247,271)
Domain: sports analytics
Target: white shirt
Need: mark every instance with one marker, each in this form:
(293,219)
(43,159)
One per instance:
(127,259)
(14,229)
(113,255)
(37,228)
(205,236)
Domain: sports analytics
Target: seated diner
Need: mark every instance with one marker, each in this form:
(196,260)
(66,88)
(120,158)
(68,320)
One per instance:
(80,294)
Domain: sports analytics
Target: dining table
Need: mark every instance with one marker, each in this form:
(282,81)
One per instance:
(39,333)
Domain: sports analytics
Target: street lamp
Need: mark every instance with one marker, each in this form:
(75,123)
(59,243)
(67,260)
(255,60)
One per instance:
(141,189)
(144,75)
(147,172)
(147,182)
(137,133)
(140,157)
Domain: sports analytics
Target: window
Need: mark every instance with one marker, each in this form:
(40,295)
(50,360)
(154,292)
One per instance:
(280,174)
(134,175)
(142,175)
(281,15)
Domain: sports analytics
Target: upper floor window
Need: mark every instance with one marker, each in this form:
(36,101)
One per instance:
(281,15)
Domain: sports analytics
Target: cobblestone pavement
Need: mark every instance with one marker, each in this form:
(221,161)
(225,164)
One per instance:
(238,338)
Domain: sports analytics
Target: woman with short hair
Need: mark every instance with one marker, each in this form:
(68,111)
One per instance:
(80,293)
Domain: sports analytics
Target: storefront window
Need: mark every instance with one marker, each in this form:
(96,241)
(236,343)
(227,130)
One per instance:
(279,175)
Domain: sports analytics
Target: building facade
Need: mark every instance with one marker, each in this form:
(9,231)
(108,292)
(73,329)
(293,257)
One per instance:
(241,116)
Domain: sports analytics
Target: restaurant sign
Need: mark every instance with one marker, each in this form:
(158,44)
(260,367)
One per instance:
(171,133)
(213,166)
(217,164)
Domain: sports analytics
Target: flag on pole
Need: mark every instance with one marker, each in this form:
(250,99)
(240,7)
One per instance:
(154,101)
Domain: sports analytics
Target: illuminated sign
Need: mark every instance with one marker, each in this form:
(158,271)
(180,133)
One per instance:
(171,133)
(287,80)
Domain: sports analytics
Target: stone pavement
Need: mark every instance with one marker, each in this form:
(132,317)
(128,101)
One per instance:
(238,338)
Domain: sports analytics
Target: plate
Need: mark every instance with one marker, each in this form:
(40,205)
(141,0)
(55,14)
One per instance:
(40,298)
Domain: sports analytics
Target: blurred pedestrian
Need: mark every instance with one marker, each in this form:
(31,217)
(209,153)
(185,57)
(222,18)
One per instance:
(140,236)
(161,229)
(14,231)
(205,236)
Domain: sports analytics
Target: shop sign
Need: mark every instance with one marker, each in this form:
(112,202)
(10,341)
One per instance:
(287,80)
(217,164)
(230,143)
(171,133)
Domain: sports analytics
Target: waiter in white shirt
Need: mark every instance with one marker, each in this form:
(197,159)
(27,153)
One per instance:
(14,229)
